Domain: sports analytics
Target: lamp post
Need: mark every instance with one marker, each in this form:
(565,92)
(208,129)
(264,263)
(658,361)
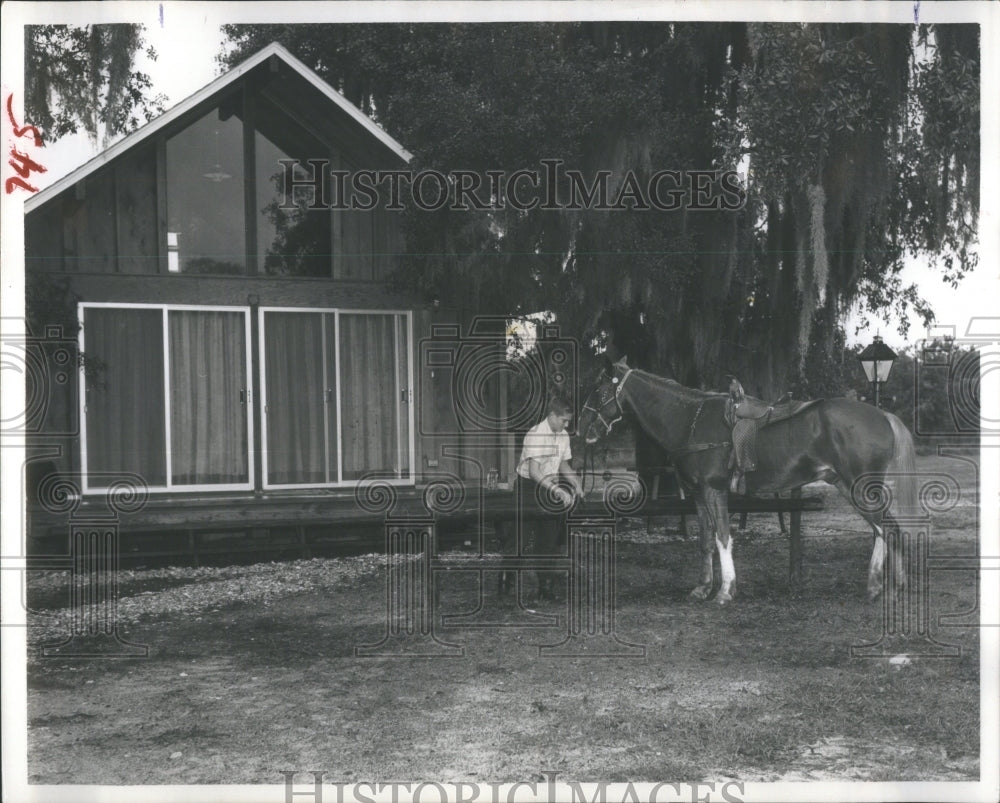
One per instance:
(877,360)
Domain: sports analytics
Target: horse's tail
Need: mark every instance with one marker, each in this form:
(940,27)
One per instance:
(903,467)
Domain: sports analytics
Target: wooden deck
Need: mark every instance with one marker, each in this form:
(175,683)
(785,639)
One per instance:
(306,523)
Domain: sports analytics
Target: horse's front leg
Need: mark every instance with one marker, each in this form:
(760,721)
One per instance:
(718,505)
(707,543)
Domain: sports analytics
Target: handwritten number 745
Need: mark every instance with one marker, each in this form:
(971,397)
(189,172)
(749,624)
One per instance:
(22,163)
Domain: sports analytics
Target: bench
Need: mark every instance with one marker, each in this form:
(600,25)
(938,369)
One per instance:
(660,473)
(678,505)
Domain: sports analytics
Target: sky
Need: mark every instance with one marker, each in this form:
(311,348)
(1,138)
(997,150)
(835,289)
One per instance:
(187,39)
(184,64)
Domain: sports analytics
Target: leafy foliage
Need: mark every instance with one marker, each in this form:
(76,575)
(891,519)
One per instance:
(84,78)
(859,142)
(934,389)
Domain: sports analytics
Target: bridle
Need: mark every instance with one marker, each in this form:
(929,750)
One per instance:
(607,423)
(605,401)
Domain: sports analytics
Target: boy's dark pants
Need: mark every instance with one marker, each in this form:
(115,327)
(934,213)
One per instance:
(543,535)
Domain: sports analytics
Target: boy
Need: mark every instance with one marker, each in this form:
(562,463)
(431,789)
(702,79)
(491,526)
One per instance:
(544,461)
(546,453)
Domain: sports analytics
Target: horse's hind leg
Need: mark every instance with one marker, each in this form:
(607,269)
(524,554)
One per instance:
(876,563)
(707,543)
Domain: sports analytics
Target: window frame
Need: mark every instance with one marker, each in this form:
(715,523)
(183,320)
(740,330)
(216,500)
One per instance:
(248,98)
(165,309)
(247,157)
(400,316)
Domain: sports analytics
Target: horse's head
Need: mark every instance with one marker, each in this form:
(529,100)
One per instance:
(602,410)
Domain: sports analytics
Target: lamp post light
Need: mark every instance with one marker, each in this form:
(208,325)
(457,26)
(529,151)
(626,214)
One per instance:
(877,360)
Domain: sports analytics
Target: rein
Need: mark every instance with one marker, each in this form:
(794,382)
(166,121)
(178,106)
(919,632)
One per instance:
(691,448)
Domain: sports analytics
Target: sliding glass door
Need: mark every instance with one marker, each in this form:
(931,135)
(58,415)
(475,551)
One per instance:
(208,394)
(166,396)
(299,370)
(337,396)
(124,407)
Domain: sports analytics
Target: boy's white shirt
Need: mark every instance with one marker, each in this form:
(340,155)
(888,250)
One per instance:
(546,447)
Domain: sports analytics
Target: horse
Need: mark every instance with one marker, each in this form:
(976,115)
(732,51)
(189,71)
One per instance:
(849,444)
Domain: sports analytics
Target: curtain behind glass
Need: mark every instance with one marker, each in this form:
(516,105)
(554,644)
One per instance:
(296,398)
(124,399)
(208,423)
(368,394)
(402,372)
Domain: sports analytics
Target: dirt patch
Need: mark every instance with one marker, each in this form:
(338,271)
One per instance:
(254,672)
(834,758)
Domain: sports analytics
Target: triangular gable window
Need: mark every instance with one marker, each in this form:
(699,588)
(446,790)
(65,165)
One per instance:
(206,226)
(292,238)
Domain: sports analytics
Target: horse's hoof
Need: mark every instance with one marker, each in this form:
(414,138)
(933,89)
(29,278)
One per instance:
(723,598)
(700,592)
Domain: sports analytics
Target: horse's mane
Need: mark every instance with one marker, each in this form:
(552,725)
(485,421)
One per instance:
(686,393)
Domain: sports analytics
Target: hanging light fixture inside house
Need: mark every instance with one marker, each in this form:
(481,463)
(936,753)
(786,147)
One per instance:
(217,175)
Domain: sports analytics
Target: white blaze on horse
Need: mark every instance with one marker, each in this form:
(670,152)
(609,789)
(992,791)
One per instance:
(854,446)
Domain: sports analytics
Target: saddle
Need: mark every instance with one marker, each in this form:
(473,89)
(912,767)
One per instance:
(746,416)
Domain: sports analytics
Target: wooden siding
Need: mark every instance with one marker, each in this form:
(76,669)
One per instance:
(89,225)
(356,262)
(387,243)
(43,239)
(138,238)
(449,439)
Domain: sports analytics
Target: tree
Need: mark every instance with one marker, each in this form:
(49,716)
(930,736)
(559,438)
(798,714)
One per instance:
(933,389)
(860,144)
(843,126)
(85,78)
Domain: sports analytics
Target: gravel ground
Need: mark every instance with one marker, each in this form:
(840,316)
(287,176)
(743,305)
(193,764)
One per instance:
(200,590)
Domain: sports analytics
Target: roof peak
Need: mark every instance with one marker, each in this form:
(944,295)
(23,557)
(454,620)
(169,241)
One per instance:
(215,86)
